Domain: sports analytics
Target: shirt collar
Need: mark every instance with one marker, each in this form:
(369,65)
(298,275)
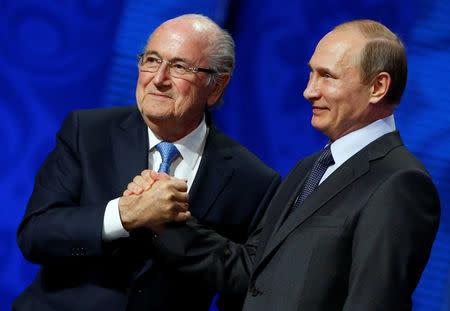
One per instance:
(190,146)
(348,145)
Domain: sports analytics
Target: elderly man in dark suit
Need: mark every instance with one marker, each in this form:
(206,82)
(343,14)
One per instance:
(95,246)
(351,227)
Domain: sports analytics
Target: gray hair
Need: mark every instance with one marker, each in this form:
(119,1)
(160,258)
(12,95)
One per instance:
(221,55)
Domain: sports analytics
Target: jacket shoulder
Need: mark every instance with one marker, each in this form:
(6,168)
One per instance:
(101,116)
(93,127)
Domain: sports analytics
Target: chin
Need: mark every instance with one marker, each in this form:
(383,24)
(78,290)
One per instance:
(158,117)
(315,122)
(157,111)
(320,126)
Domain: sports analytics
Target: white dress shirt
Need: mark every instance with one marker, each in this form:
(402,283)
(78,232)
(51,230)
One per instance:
(184,167)
(348,145)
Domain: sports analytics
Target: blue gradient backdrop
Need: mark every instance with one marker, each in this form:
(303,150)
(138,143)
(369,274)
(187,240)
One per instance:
(57,56)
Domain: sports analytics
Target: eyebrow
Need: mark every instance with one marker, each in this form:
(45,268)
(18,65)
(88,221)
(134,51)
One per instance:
(174,59)
(320,69)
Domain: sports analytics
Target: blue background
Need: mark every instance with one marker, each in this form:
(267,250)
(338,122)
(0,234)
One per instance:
(57,56)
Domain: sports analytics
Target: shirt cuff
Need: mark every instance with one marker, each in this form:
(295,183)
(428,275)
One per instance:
(112,225)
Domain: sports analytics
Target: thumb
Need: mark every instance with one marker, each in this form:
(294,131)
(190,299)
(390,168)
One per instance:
(182,216)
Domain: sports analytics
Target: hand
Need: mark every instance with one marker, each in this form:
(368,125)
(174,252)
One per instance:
(143,182)
(157,203)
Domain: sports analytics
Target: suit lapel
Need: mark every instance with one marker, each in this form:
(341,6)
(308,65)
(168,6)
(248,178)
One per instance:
(293,190)
(130,147)
(213,175)
(130,154)
(337,181)
(348,172)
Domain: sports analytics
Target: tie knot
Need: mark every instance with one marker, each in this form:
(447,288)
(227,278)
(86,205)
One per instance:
(326,158)
(168,153)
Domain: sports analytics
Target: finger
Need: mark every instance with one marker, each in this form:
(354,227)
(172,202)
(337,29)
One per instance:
(160,176)
(184,207)
(179,208)
(181,197)
(127,193)
(140,181)
(182,216)
(146,174)
(154,175)
(135,188)
(178,184)
(183,180)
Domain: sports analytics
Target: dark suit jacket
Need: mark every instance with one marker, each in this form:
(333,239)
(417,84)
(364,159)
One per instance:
(360,241)
(97,154)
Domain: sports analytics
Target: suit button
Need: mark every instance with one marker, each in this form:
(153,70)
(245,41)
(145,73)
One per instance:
(254,291)
(139,291)
(227,252)
(78,251)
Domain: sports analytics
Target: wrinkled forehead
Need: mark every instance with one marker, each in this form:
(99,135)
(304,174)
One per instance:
(181,38)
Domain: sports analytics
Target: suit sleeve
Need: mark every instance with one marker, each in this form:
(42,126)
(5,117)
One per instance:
(55,226)
(198,251)
(392,243)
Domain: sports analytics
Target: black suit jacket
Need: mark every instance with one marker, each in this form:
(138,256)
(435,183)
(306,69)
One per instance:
(97,153)
(360,241)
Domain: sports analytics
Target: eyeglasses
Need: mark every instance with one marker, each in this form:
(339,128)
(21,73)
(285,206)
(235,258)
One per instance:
(151,63)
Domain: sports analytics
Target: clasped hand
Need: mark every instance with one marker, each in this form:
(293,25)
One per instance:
(152,200)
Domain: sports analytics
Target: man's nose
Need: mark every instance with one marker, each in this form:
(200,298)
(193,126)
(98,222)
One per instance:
(162,76)
(311,91)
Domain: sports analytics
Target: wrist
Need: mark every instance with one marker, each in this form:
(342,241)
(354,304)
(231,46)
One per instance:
(125,212)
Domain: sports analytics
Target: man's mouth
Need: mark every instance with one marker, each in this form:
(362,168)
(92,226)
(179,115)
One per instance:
(318,108)
(159,95)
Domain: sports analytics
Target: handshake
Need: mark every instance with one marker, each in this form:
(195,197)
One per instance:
(153,199)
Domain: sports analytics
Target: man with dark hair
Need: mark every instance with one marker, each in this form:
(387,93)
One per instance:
(351,227)
(94,246)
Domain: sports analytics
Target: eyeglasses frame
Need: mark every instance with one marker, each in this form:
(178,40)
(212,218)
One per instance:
(170,64)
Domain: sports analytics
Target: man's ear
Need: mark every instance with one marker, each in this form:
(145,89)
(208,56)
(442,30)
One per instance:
(218,89)
(380,86)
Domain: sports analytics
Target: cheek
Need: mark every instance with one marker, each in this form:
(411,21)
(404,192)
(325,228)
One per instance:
(190,95)
(333,92)
(336,97)
(185,93)
(185,102)
(143,81)
(140,86)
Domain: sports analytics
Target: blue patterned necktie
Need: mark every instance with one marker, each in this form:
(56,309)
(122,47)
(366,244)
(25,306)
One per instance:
(168,153)
(319,168)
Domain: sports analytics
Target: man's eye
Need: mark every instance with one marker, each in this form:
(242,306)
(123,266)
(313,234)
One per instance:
(151,60)
(179,66)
